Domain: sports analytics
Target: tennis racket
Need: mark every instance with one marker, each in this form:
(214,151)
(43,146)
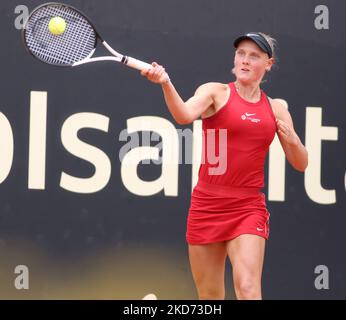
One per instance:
(75,46)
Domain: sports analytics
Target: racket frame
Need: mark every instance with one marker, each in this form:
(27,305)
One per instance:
(117,57)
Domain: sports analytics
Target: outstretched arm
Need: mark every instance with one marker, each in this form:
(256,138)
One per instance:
(182,112)
(295,151)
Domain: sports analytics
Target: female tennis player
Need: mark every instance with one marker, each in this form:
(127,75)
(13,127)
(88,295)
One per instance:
(228,214)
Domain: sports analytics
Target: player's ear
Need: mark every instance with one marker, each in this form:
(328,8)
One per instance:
(270,63)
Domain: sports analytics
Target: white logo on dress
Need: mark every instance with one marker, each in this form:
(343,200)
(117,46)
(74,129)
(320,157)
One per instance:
(248,116)
(259,229)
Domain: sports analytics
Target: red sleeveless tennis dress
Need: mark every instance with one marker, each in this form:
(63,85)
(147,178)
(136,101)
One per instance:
(227,200)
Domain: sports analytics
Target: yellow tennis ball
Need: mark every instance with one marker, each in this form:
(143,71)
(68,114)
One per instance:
(57,26)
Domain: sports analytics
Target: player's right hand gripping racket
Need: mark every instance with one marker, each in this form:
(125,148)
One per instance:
(73,47)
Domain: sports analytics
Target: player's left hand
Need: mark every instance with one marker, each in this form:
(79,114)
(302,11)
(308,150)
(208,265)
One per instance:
(285,132)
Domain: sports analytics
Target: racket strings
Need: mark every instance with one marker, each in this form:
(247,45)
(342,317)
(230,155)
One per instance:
(75,44)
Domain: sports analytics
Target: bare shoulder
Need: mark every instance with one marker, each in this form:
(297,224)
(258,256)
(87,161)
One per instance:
(280,106)
(212,88)
(219,92)
(280,110)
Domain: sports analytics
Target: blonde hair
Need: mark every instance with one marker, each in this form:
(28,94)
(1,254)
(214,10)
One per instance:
(272,42)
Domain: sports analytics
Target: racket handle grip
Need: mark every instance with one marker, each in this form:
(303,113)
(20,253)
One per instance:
(136,64)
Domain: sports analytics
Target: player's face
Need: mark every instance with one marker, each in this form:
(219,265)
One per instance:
(250,62)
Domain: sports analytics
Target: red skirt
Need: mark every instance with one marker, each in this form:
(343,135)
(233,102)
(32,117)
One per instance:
(221,213)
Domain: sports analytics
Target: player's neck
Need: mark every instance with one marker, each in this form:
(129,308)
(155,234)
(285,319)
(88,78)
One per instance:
(249,92)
